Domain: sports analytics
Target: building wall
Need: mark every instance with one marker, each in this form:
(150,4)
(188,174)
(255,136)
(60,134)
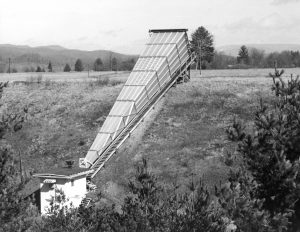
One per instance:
(74,192)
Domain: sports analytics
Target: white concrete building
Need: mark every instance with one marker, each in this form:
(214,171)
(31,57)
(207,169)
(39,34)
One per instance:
(70,181)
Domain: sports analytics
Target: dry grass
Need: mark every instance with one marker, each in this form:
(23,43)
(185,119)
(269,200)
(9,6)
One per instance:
(105,81)
(187,138)
(63,76)
(190,131)
(63,119)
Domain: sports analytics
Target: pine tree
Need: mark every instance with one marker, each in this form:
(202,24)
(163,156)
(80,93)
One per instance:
(50,67)
(114,64)
(78,65)
(67,68)
(98,65)
(272,152)
(38,69)
(243,57)
(203,44)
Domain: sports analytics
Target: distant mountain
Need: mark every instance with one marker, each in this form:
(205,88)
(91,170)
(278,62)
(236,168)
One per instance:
(53,47)
(268,48)
(26,56)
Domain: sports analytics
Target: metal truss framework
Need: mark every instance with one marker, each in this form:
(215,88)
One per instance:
(165,58)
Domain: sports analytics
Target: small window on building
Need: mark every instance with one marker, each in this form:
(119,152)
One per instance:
(72,182)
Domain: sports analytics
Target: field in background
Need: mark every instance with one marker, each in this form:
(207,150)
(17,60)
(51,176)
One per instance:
(242,72)
(61,76)
(122,75)
(183,139)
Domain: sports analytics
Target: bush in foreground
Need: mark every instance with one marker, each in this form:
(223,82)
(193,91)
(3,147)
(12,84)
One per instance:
(14,211)
(271,154)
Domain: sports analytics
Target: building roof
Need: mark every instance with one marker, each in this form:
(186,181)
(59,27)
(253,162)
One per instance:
(167,30)
(30,187)
(64,172)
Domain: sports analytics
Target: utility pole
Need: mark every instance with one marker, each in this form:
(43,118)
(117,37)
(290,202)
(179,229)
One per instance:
(88,71)
(275,64)
(200,54)
(110,62)
(8,65)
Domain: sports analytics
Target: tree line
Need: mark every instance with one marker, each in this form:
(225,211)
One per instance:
(252,57)
(98,65)
(202,44)
(79,66)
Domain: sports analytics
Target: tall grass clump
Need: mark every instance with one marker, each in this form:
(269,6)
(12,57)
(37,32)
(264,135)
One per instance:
(104,81)
(34,80)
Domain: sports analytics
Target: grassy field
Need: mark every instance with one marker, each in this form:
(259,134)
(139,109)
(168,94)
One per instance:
(187,139)
(85,76)
(60,76)
(183,138)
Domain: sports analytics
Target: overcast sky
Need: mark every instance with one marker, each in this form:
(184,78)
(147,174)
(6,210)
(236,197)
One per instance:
(122,25)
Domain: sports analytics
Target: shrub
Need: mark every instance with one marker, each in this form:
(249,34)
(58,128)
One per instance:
(272,152)
(38,69)
(34,80)
(115,82)
(48,82)
(102,81)
(12,205)
(26,69)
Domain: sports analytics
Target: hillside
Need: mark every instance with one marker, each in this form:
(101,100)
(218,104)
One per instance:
(25,56)
(268,48)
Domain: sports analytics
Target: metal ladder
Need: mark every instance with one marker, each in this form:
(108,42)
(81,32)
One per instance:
(125,133)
